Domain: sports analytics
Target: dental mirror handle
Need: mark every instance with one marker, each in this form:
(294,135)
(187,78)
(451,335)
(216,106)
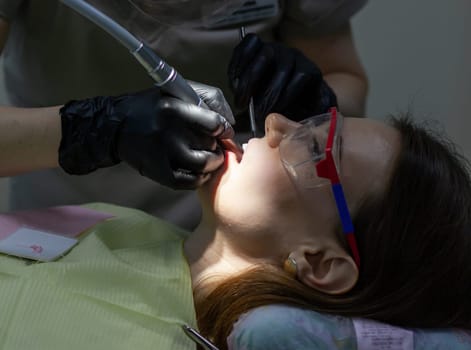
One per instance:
(165,76)
(198,338)
(253,124)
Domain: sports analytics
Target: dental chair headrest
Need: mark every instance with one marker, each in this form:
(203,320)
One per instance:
(284,327)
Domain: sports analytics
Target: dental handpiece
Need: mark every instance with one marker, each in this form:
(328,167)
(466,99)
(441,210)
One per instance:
(165,76)
(253,124)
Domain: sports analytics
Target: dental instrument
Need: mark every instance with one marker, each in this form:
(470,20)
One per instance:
(198,338)
(253,125)
(165,76)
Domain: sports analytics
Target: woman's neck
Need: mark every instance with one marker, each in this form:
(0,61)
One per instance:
(211,257)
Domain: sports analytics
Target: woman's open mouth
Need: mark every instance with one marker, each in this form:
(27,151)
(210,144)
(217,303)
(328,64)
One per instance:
(232,146)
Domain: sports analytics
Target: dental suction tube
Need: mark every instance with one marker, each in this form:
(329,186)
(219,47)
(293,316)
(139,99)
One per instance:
(165,76)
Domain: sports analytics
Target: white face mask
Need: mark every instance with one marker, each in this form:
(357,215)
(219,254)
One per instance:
(186,12)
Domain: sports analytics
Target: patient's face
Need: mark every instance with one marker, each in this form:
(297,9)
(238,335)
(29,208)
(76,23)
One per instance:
(255,199)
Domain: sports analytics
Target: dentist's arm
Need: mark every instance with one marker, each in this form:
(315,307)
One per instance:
(163,138)
(29,137)
(337,58)
(284,78)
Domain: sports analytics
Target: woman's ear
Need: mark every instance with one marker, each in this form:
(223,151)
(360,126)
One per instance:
(331,271)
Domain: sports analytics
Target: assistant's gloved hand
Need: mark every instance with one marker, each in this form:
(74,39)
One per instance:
(165,139)
(280,79)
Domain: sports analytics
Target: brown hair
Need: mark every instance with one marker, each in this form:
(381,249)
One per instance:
(414,242)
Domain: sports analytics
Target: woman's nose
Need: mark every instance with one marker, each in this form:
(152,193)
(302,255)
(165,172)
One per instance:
(276,126)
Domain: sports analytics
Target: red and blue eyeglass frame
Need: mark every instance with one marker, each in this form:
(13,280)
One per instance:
(326,169)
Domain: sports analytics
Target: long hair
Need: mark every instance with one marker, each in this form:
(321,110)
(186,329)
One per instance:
(415,247)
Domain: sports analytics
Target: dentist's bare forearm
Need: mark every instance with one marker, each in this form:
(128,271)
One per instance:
(29,139)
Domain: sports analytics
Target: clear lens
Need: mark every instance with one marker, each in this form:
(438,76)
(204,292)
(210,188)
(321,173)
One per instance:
(302,148)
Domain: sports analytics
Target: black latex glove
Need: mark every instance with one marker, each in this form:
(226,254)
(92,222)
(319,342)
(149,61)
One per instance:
(280,79)
(167,140)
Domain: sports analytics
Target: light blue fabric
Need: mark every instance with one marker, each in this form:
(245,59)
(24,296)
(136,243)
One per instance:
(283,327)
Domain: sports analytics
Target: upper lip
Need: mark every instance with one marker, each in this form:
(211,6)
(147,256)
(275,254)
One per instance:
(232,146)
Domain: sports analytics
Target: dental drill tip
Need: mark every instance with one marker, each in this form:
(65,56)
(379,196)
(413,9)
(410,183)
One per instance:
(242,32)
(253,123)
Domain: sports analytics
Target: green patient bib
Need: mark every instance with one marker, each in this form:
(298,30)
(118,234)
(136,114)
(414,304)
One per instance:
(126,285)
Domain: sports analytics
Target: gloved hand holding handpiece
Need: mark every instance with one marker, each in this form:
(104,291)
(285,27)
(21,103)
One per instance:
(279,79)
(167,140)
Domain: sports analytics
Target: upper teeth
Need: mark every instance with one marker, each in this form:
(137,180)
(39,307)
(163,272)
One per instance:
(244,146)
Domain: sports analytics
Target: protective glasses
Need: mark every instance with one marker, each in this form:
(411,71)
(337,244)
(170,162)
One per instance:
(317,142)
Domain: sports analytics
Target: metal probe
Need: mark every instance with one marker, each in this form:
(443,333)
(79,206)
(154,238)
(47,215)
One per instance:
(198,338)
(253,125)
